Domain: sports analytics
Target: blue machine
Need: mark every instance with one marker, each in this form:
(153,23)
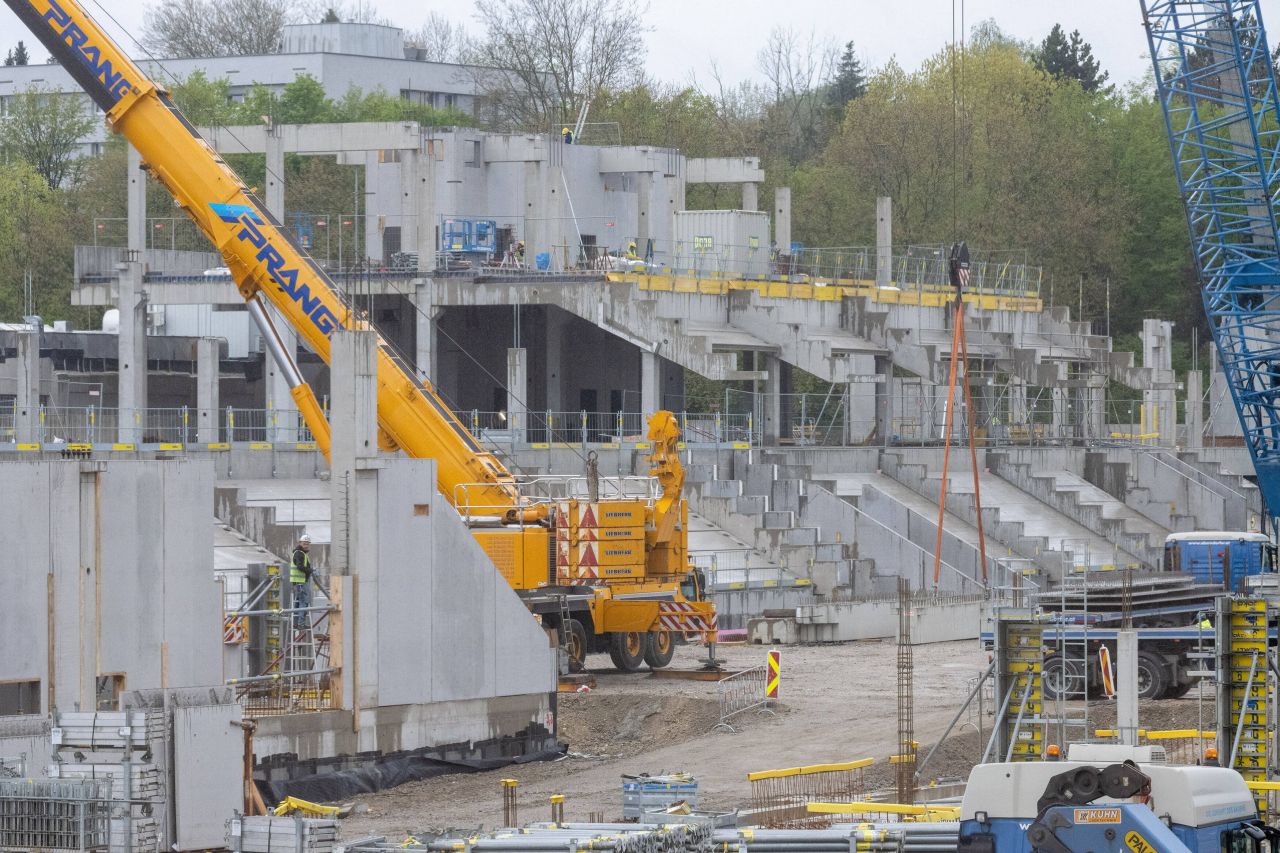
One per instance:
(1119,808)
(469,236)
(1217,86)
(1220,557)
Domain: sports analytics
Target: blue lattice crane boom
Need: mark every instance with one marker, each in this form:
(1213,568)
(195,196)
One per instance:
(1217,86)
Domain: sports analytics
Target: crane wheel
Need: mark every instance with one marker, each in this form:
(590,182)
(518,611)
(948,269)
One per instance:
(576,645)
(626,649)
(659,646)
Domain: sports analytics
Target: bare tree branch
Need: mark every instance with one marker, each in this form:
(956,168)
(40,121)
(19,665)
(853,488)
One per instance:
(439,40)
(192,28)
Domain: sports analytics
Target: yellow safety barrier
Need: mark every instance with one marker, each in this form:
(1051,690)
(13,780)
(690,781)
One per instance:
(929,813)
(779,797)
(289,805)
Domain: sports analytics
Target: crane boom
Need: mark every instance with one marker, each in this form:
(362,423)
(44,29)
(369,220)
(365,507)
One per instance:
(1217,86)
(262,258)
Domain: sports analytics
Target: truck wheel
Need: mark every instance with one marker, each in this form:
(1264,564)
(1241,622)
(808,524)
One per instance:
(626,648)
(1061,678)
(1177,691)
(576,645)
(1153,676)
(659,646)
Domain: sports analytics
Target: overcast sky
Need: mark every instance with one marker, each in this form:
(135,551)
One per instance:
(690,35)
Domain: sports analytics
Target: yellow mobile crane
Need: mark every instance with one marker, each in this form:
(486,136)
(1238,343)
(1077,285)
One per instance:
(608,574)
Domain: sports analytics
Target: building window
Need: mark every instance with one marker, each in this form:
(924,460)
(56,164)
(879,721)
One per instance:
(19,697)
(473,152)
(109,688)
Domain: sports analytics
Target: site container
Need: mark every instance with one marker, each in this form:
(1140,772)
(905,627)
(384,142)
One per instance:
(722,243)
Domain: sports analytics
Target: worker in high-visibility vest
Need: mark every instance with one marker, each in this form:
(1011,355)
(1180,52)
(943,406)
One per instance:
(631,251)
(300,577)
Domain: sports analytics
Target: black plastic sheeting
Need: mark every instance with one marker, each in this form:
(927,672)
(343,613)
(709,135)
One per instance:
(386,773)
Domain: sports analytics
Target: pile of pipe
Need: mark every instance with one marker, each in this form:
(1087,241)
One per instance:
(941,837)
(559,838)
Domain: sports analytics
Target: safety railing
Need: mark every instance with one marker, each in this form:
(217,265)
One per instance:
(741,692)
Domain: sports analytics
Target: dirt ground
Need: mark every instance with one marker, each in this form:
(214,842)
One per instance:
(839,702)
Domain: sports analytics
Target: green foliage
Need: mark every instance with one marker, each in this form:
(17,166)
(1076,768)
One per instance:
(850,81)
(44,130)
(1070,58)
(18,55)
(35,236)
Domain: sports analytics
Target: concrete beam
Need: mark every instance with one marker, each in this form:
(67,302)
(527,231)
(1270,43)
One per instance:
(316,139)
(723,170)
(215,292)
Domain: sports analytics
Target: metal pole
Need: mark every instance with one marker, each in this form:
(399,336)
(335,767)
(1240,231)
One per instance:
(1244,703)
(995,725)
(1017,724)
(976,690)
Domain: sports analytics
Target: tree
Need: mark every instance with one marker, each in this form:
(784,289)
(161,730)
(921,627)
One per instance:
(545,58)
(330,16)
(439,40)
(1070,58)
(44,129)
(850,80)
(796,69)
(195,28)
(18,55)
(35,237)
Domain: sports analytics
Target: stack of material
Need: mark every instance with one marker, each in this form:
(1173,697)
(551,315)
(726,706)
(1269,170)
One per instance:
(133,729)
(642,794)
(53,815)
(553,838)
(116,749)
(270,834)
(145,779)
(865,837)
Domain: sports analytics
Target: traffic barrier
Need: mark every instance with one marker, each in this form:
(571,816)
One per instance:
(740,692)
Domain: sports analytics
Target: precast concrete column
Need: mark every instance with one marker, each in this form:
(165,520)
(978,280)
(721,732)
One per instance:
(1127,687)
(884,241)
(1223,419)
(426,337)
(1193,419)
(557,322)
(353,420)
(650,383)
(208,354)
(1159,404)
(282,415)
(782,219)
(750,195)
(644,204)
(137,202)
(27,407)
(884,404)
(772,411)
(132,352)
(517,390)
(1061,413)
(419,208)
(1016,394)
(1091,401)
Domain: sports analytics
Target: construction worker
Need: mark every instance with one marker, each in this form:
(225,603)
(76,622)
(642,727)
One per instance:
(520,253)
(631,251)
(300,576)
(567,135)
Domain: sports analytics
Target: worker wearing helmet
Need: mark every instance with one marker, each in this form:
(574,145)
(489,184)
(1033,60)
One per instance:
(631,252)
(300,577)
(567,135)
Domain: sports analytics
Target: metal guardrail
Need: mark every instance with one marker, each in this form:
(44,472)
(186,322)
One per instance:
(741,692)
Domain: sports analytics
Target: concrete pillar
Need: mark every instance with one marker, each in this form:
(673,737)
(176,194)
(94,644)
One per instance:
(1061,414)
(283,413)
(132,352)
(1193,416)
(650,382)
(750,195)
(1223,419)
(137,202)
(884,403)
(644,204)
(557,321)
(426,337)
(353,419)
(782,219)
(1127,687)
(418,234)
(1160,418)
(1017,403)
(517,390)
(771,415)
(208,353)
(27,406)
(884,241)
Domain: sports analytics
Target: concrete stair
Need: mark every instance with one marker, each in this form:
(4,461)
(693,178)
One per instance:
(808,335)
(1083,502)
(1173,493)
(1025,525)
